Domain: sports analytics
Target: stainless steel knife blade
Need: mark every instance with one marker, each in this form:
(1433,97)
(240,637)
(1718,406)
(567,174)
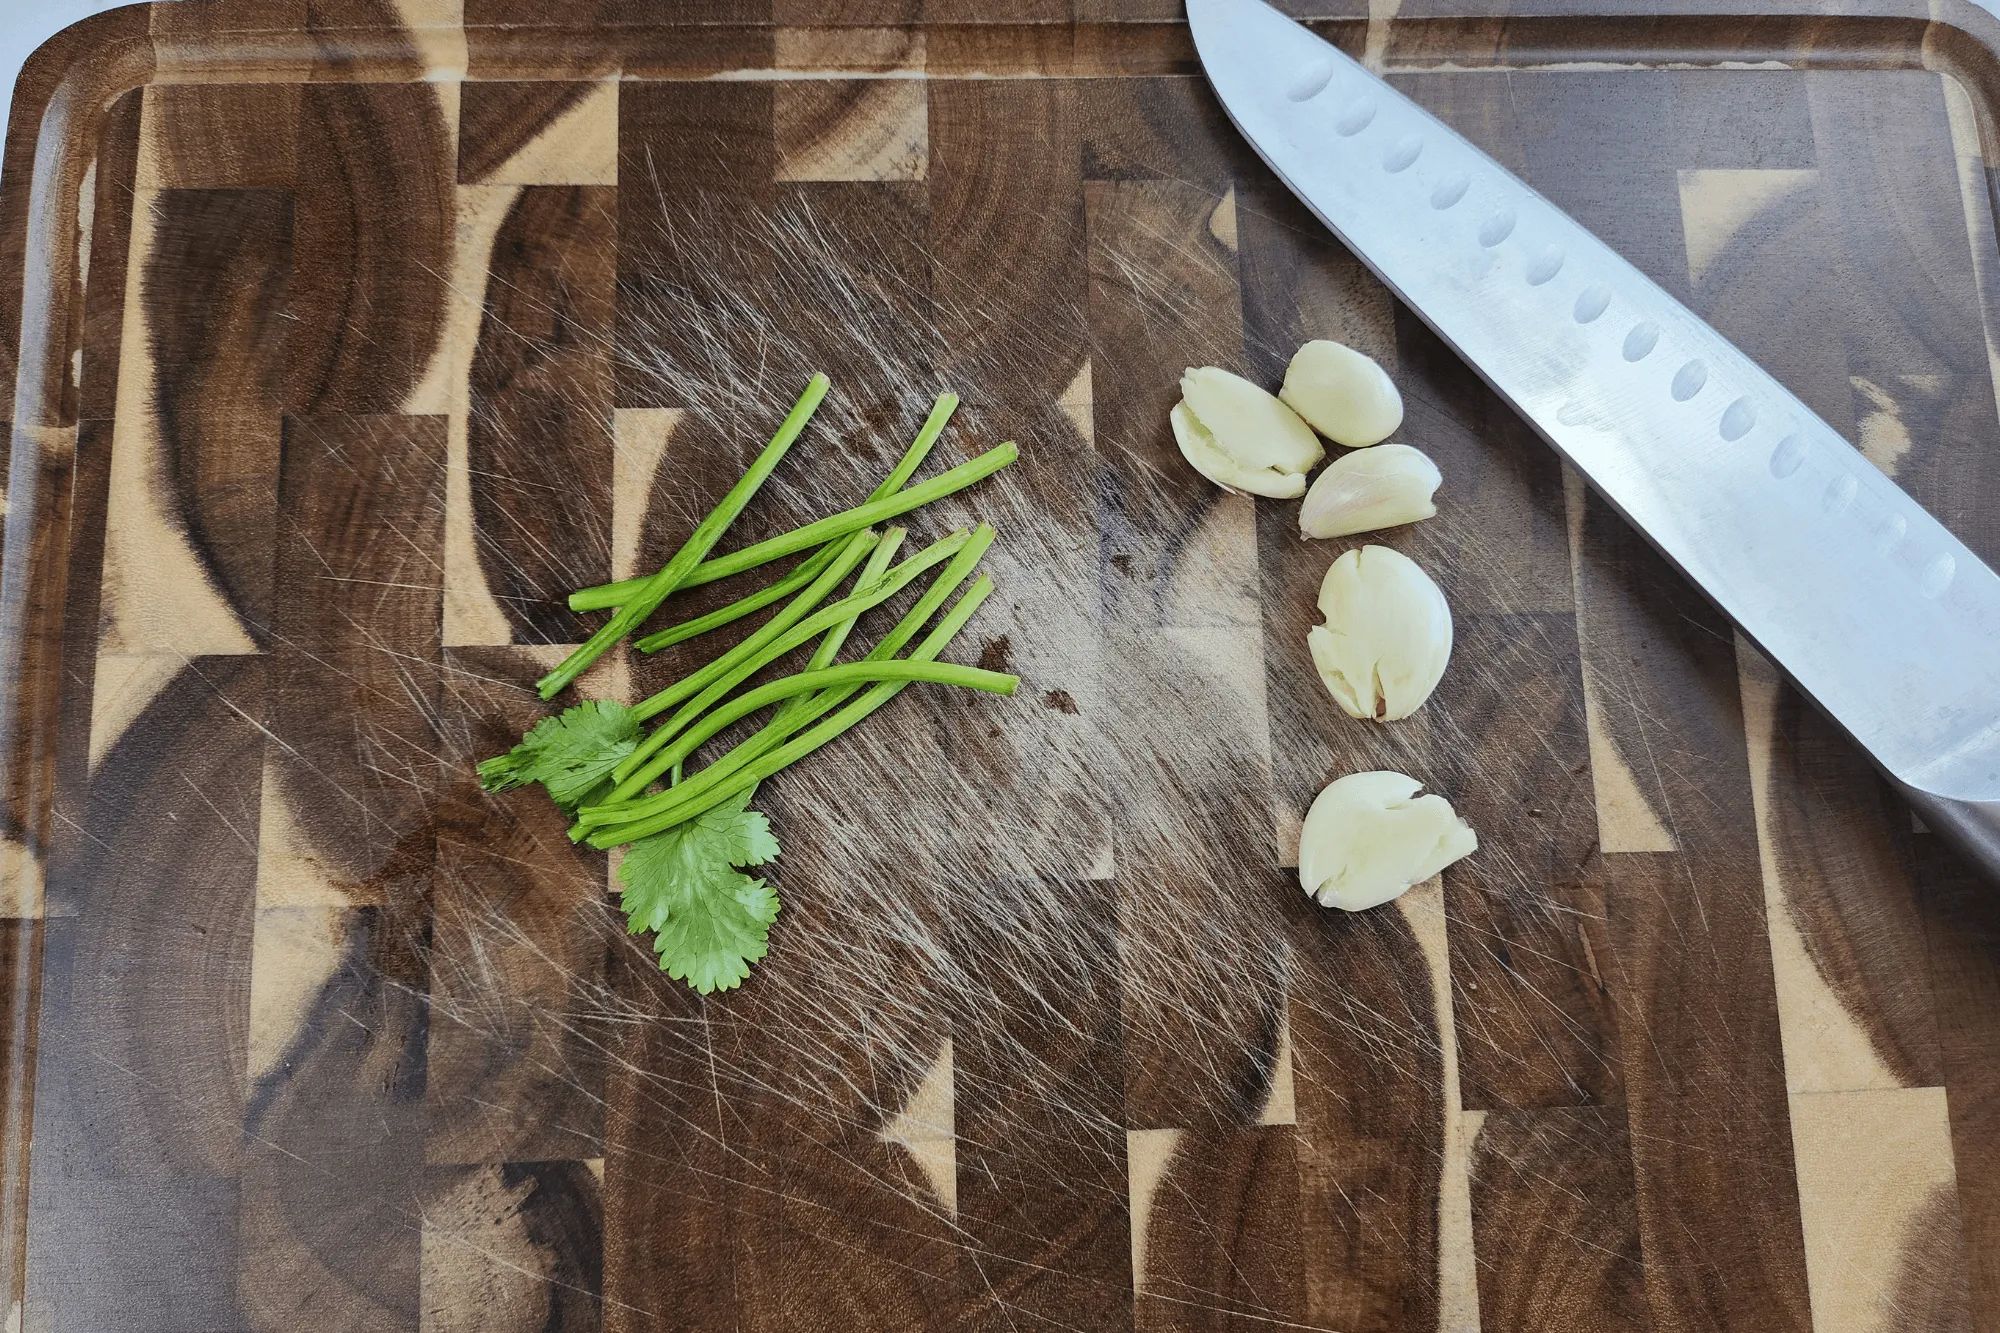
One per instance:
(1884,619)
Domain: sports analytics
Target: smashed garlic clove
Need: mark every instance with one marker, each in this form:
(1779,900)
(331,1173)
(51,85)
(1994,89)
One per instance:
(1242,438)
(1369,837)
(1342,394)
(1369,489)
(1207,457)
(1387,634)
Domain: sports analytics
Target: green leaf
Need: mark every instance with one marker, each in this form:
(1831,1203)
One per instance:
(710,921)
(571,754)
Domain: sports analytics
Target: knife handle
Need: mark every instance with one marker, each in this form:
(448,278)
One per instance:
(1973,827)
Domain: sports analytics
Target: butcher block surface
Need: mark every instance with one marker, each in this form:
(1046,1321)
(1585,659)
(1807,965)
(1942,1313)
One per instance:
(341,338)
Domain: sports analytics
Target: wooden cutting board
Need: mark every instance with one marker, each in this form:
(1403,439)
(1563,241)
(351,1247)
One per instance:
(343,337)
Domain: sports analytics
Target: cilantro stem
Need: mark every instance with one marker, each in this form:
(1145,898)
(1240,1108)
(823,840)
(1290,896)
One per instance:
(698,545)
(605,596)
(761,649)
(829,678)
(802,576)
(871,573)
(852,520)
(632,779)
(774,629)
(693,800)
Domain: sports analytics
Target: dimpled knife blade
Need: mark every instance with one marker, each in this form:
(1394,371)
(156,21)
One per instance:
(1879,614)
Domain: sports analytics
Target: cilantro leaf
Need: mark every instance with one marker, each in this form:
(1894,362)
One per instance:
(571,754)
(709,920)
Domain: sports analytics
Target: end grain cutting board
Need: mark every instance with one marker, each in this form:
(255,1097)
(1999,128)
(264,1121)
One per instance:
(340,338)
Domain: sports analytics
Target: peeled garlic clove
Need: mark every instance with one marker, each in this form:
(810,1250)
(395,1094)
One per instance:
(1207,457)
(1239,436)
(1368,489)
(1387,634)
(1343,394)
(1369,837)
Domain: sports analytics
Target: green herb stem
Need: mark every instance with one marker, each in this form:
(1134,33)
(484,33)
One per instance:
(644,602)
(875,511)
(835,638)
(800,577)
(845,611)
(693,802)
(761,649)
(608,595)
(633,779)
(852,549)
(829,678)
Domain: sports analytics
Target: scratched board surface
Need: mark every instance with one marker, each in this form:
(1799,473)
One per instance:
(347,338)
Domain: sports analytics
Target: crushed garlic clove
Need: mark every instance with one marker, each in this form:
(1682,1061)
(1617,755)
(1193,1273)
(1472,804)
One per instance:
(1369,838)
(1342,394)
(1370,489)
(1242,438)
(1387,634)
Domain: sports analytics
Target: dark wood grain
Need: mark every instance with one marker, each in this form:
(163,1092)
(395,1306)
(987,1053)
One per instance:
(1201,830)
(514,1075)
(514,1247)
(1160,129)
(222,136)
(351,759)
(1832,820)
(1962,929)
(833,1226)
(1555,1223)
(1148,240)
(333,1170)
(1535,1021)
(1001,154)
(373,226)
(1009,284)
(1372,1119)
(216,292)
(1222,1249)
(538,433)
(1043,1193)
(496,120)
(1009,11)
(110,250)
(616,13)
(1922,395)
(695,162)
(1923,351)
(1718,1217)
(853,255)
(23,942)
(670,1234)
(353,725)
(839,13)
(144,1115)
(851,129)
(104,316)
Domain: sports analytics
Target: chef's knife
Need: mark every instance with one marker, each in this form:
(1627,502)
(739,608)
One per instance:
(1880,615)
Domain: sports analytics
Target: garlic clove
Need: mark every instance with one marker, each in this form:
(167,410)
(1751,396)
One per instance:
(1387,634)
(1369,489)
(1343,394)
(1369,837)
(1207,456)
(1249,426)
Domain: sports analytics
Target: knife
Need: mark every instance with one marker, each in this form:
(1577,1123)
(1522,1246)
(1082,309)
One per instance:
(1882,618)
